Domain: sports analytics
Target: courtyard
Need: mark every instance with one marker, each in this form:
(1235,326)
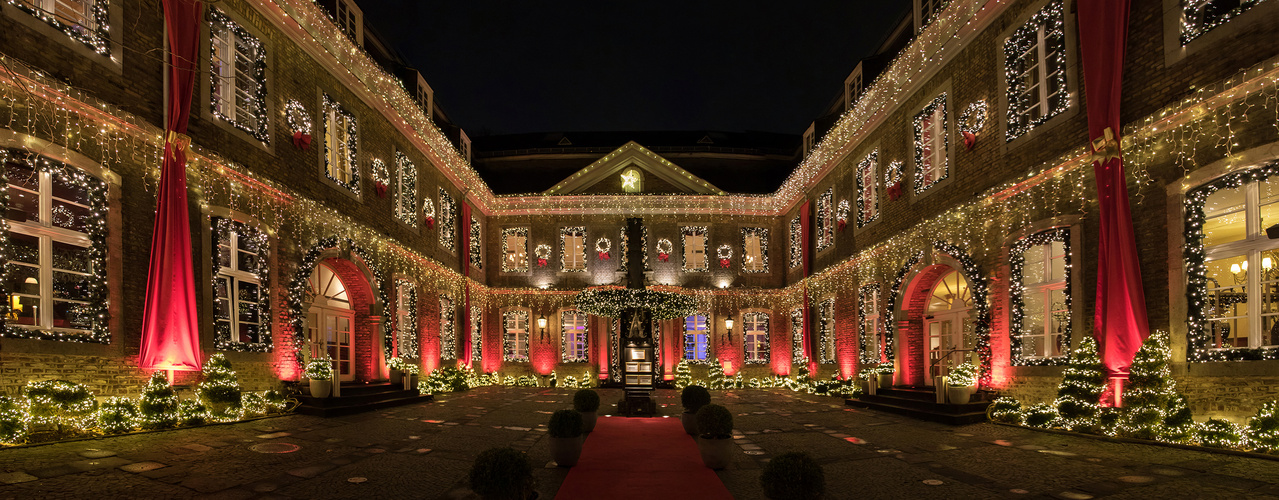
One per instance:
(425,451)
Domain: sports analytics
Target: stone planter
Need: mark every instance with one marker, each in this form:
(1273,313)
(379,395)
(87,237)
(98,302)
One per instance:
(410,381)
(320,388)
(397,377)
(959,395)
(716,453)
(588,421)
(566,451)
(885,380)
(690,422)
(870,386)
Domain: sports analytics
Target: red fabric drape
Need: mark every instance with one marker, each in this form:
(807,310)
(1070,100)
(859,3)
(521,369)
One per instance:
(805,253)
(466,282)
(170,330)
(1121,304)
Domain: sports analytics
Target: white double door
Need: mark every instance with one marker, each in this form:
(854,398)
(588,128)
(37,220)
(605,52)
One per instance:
(329,332)
(945,346)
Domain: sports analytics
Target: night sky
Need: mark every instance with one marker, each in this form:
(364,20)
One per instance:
(513,67)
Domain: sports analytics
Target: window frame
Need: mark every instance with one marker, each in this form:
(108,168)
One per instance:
(572,232)
(224,32)
(826,331)
(928,172)
(825,230)
(694,231)
(477,335)
(762,234)
(507,233)
(234,276)
(1020,292)
(406,321)
(868,192)
(699,340)
(797,336)
(448,221)
(98,40)
(476,243)
(755,343)
(448,329)
(1036,15)
(333,111)
(511,346)
(575,347)
(405,205)
(796,242)
(869,315)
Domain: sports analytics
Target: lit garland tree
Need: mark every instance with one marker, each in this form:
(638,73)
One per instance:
(1148,389)
(118,415)
(1081,386)
(683,374)
(1179,422)
(159,404)
(66,405)
(1263,429)
(220,390)
(716,375)
(13,422)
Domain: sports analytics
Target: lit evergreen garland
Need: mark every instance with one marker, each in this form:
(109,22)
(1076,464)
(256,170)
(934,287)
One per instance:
(898,280)
(407,341)
(624,239)
(797,337)
(1200,17)
(611,302)
(448,221)
(1017,291)
(867,299)
(1053,23)
(825,226)
(565,233)
(1081,387)
(298,119)
(405,189)
(342,116)
(255,102)
(97,38)
(515,266)
(977,286)
(796,243)
(694,231)
(762,234)
(762,349)
(300,291)
(255,241)
(476,244)
(922,183)
(867,205)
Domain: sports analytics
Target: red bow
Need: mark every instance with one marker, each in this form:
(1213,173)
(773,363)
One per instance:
(842,224)
(895,191)
(430,222)
(301,141)
(663,256)
(970,140)
(381,189)
(603,255)
(723,263)
(541,262)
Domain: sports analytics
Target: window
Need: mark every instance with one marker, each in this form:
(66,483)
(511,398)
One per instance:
(1040,275)
(1234,293)
(350,20)
(754,250)
(826,330)
(695,340)
(853,88)
(1035,71)
(448,329)
(340,133)
(868,328)
(632,180)
(927,11)
(477,335)
(83,20)
(796,242)
(797,336)
(405,190)
(810,139)
(931,145)
(573,249)
(476,243)
(241,321)
(238,71)
(56,268)
(515,340)
(406,319)
(755,337)
(448,218)
(574,344)
(1201,16)
(515,250)
(826,219)
(694,238)
(867,192)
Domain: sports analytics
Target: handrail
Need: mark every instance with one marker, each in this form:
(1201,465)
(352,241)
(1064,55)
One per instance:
(947,356)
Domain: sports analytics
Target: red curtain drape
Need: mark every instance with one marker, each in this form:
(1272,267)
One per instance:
(1120,323)
(466,282)
(805,253)
(170,329)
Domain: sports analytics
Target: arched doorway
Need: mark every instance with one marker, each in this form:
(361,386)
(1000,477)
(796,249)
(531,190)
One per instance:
(948,325)
(330,320)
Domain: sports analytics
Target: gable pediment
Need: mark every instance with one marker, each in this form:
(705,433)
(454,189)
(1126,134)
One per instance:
(658,174)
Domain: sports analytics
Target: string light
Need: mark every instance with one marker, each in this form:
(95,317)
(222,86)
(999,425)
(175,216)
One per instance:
(1202,16)
(238,44)
(407,341)
(762,352)
(298,119)
(405,190)
(1021,54)
(759,263)
(1017,292)
(337,116)
(796,243)
(867,298)
(97,33)
(825,219)
(475,244)
(868,198)
(448,224)
(930,124)
(578,232)
(254,245)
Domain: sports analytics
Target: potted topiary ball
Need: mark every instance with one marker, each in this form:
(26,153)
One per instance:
(587,402)
(694,397)
(960,383)
(566,432)
(715,439)
(319,371)
(793,476)
(884,375)
(502,474)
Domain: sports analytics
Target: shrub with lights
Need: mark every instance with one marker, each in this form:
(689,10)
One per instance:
(1222,433)
(158,408)
(13,421)
(319,368)
(683,374)
(1081,386)
(1179,422)
(193,412)
(118,415)
(1042,416)
(1263,429)
(67,406)
(1149,386)
(715,376)
(220,389)
(1005,410)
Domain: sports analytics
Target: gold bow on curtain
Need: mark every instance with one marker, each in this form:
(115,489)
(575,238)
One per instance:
(1105,148)
(179,142)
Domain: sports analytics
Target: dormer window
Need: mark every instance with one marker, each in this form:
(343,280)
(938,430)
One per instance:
(853,88)
(464,145)
(425,97)
(810,137)
(83,20)
(926,11)
(1201,16)
(350,19)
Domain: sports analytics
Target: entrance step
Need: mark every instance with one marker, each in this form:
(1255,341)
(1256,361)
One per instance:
(358,398)
(921,403)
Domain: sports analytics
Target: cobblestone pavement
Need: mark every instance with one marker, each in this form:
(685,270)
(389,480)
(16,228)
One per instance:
(425,450)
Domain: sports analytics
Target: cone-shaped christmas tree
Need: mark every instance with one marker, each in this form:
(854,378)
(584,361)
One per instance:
(159,405)
(683,374)
(1179,423)
(1149,386)
(716,375)
(220,391)
(1081,387)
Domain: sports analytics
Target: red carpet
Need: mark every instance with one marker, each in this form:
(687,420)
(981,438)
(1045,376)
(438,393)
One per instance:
(641,458)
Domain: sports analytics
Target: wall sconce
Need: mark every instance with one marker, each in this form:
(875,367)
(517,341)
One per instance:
(541,325)
(728,325)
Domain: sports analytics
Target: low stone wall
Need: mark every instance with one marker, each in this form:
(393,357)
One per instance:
(1234,398)
(108,376)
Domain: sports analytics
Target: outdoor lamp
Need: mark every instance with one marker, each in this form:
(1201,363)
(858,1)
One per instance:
(728,323)
(541,324)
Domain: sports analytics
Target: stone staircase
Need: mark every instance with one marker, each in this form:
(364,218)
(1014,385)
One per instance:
(361,397)
(921,403)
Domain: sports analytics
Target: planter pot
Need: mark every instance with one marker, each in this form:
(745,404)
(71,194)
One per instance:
(320,388)
(410,382)
(870,386)
(885,380)
(959,395)
(588,421)
(690,422)
(397,377)
(566,451)
(716,453)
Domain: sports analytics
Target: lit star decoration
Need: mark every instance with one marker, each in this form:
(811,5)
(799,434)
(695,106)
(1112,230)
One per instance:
(1017,290)
(630,180)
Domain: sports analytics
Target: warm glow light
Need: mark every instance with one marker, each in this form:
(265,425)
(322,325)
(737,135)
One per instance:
(541,322)
(1234,268)
(728,323)
(1266,263)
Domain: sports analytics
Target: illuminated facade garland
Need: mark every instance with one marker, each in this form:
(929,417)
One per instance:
(565,233)
(973,119)
(797,337)
(239,42)
(1016,47)
(929,123)
(516,266)
(1017,290)
(300,291)
(1201,16)
(511,349)
(97,37)
(977,285)
(694,231)
(409,347)
(1200,342)
(612,302)
(868,300)
(867,195)
(93,290)
(826,331)
(382,175)
(405,190)
(765,352)
(448,329)
(477,336)
(297,118)
(448,221)
(333,108)
(899,279)
(762,234)
(826,219)
(566,354)
(622,244)
(476,244)
(664,248)
(796,243)
(224,275)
